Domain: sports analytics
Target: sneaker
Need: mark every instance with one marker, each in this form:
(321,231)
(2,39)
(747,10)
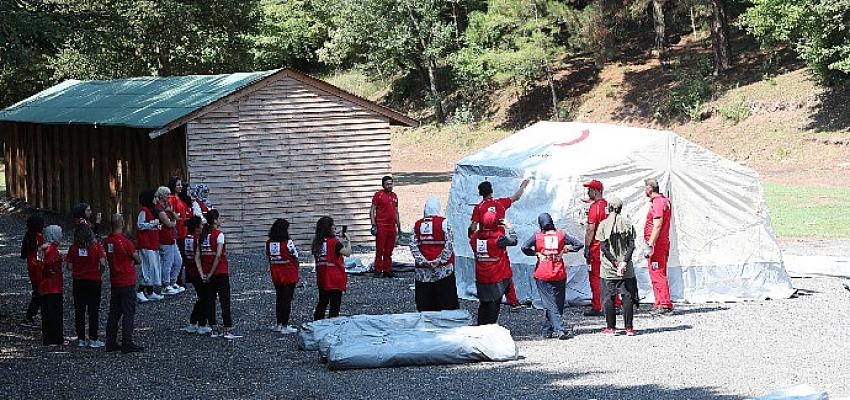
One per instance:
(132,348)
(630,332)
(231,334)
(594,313)
(661,311)
(30,323)
(288,330)
(179,289)
(204,330)
(169,290)
(609,332)
(216,332)
(192,328)
(96,344)
(82,343)
(155,297)
(140,297)
(276,327)
(565,335)
(110,347)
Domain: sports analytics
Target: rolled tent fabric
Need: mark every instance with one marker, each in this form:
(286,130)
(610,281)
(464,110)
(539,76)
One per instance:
(723,247)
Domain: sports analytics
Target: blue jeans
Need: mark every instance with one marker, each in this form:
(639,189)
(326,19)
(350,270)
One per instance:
(553,296)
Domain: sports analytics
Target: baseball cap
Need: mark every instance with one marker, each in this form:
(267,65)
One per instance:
(594,184)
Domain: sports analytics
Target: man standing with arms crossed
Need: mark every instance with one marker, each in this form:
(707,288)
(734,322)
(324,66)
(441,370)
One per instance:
(385,227)
(592,253)
(656,233)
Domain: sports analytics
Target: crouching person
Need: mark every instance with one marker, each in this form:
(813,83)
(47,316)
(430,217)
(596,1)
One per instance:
(122,258)
(616,236)
(550,273)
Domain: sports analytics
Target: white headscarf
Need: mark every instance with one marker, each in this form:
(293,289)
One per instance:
(432,207)
(52,233)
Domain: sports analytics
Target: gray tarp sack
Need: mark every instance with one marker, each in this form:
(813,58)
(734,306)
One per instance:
(395,348)
(312,333)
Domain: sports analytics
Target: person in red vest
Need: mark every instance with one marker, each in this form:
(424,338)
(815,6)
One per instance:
(121,255)
(616,236)
(283,266)
(597,212)
(170,261)
(211,256)
(198,317)
(500,206)
(147,244)
(656,233)
(385,226)
(87,261)
(434,257)
(328,249)
(50,289)
(550,273)
(492,267)
(32,244)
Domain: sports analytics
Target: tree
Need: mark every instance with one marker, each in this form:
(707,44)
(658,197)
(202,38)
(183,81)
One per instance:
(816,28)
(720,37)
(391,36)
(660,27)
(290,33)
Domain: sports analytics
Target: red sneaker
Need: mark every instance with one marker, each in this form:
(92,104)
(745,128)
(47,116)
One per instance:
(630,332)
(609,332)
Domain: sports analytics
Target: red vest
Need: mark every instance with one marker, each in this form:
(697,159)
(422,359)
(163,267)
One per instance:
(550,245)
(431,238)
(282,265)
(208,250)
(330,269)
(188,244)
(51,282)
(147,239)
(491,261)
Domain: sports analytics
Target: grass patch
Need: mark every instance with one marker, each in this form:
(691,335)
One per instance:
(808,211)
(357,82)
(460,137)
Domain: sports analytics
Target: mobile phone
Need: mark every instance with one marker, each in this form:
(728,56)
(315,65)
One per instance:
(344,229)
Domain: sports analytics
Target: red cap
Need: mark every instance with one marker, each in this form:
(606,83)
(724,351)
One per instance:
(594,184)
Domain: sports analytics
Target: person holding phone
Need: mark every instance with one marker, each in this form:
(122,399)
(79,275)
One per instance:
(328,249)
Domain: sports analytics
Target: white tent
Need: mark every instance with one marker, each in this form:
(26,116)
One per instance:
(723,244)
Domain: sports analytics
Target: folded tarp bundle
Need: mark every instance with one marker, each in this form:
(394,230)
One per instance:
(394,348)
(312,333)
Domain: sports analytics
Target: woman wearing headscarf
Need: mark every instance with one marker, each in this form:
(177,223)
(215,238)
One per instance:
(434,258)
(616,236)
(492,267)
(201,196)
(550,273)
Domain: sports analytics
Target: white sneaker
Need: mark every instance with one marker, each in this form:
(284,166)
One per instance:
(82,343)
(169,290)
(140,297)
(155,297)
(193,328)
(178,288)
(204,330)
(288,330)
(96,344)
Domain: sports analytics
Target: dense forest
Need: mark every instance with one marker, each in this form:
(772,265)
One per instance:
(445,56)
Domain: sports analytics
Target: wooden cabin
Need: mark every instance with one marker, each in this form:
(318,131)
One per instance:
(272,144)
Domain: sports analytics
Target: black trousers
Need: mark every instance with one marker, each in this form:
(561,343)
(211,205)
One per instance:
(627,288)
(283,305)
(328,297)
(488,312)
(86,301)
(51,319)
(200,309)
(219,286)
(437,296)
(35,302)
(122,306)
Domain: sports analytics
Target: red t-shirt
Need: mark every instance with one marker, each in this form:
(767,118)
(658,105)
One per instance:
(660,207)
(183,213)
(386,207)
(597,213)
(499,206)
(51,281)
(34,266)
(85,262)
(119,253)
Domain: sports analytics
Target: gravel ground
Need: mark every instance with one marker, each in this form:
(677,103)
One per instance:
(714,351)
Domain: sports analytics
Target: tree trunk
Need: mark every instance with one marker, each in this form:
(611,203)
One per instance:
(720,37)
(658,19)
(437,98)
(551,76)
(693,23)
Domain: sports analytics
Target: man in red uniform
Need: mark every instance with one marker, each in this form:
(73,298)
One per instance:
(592,253)
(121,255)
(656,233)
(385,226)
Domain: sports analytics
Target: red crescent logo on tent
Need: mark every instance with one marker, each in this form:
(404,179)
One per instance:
(584,134)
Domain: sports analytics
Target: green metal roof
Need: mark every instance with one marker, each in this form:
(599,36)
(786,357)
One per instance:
(145,102)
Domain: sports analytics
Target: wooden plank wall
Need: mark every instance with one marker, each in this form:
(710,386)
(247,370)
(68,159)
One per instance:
(54,167)
(303,153)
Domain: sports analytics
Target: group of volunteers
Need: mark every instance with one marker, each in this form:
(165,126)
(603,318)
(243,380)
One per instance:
(179,241)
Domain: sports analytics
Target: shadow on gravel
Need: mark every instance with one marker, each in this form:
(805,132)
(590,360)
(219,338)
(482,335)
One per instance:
(418,178)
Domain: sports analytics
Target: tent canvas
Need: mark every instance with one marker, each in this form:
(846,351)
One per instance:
(723,247)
